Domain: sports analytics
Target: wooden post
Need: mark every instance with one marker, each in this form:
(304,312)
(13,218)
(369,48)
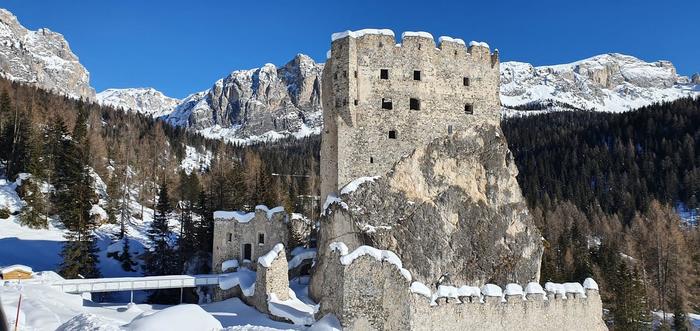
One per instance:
(132,297)
(181,295)
(19,303)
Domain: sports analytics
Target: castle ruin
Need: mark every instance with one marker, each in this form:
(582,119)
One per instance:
(381,100)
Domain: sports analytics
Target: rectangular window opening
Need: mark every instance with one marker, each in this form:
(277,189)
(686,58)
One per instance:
(371,159)
(356,102)
(449,129)
(416,74)
(392,134)
(468,109)
(355,73)
(261,238)
(414,104)
(384,73)
(386,104)
(465,81)
(229,237)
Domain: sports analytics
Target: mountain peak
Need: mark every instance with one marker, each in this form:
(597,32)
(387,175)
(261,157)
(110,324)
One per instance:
(41,57)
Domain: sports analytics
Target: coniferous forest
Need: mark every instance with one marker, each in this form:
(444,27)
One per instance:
(606,190)
(64,149)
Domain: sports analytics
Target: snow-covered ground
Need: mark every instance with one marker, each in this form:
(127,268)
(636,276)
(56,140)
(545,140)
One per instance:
(44,308)
(40,248)
(195,160)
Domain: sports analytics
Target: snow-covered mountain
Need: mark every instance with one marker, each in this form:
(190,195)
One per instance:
(147,101)
(257,104)
(41,57)
(608,82)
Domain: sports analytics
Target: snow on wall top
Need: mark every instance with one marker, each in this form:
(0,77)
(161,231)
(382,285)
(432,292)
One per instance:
(266,260)
(229,264)
(491,290)
(360,33)
(243,217)
(352,186)
(478,43)
(590,284)
(534,288)
(452,40)
(421,34)
(513,289)
(16,267)
(378,254)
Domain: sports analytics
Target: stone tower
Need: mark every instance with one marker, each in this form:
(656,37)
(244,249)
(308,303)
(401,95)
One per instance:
(382,100)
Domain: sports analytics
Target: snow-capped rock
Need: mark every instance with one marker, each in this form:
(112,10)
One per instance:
(147,100)
(609,82)
(41,57)
(257,104)
(696,78)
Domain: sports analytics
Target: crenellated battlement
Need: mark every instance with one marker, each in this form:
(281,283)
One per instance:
(372,291)
(414,41)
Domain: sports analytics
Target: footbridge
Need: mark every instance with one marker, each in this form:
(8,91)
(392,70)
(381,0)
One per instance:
(118,284)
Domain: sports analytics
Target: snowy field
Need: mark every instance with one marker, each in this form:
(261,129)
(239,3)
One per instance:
(44,308)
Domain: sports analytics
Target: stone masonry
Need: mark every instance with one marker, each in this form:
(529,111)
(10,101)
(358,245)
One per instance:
(374,295)
(234,230)
(454,87)
(273,279)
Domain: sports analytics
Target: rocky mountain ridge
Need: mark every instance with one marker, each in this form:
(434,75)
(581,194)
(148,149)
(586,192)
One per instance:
(41,57)
(257,104)
(608,82)
(146,100)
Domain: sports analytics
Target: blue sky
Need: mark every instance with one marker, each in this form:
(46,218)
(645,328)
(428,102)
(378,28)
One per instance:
(181,47)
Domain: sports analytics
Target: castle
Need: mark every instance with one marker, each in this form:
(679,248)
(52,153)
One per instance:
(423,214)
(381,99)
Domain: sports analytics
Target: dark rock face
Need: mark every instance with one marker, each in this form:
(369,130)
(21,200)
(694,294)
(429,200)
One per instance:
(451,210)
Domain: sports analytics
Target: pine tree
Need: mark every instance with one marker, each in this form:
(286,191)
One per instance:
(33,214)
(75,194)
(205,226)
(680,319)
(187,240)
(161,259)
(630,310)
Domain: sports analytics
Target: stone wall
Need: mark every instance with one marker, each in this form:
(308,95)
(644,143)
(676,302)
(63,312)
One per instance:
(368,294)
(355,138)
(271,222)
(272,279)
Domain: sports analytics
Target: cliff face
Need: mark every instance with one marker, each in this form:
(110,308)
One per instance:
(267,100)
(452,211)
(41,57)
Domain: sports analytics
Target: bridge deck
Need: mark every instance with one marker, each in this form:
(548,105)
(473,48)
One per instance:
(134,283)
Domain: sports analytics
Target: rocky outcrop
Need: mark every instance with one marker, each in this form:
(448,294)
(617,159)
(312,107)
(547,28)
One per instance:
(608,82)
(452,211)
(268,100)
(696,78)
(146,101)
(41,57)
